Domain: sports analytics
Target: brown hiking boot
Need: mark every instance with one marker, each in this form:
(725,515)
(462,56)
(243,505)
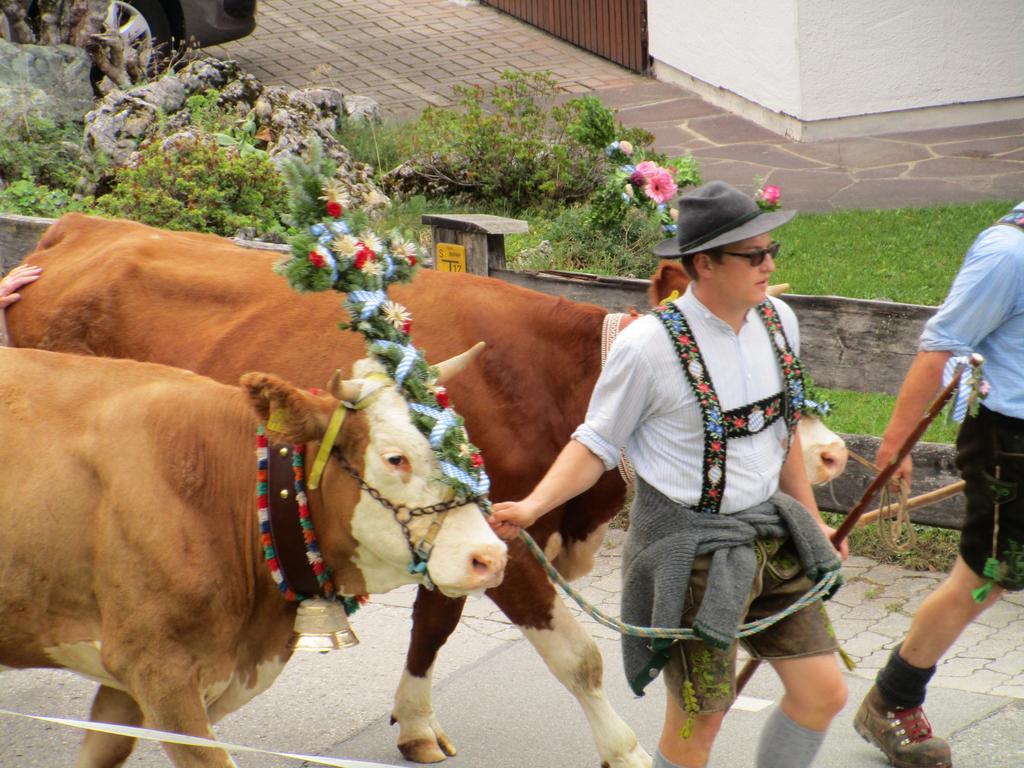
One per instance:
(904,735)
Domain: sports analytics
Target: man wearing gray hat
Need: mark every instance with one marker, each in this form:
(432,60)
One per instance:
(704,394)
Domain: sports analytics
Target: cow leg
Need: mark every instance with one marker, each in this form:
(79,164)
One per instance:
(107,750)
(169,697)
(573,657)
(420,737)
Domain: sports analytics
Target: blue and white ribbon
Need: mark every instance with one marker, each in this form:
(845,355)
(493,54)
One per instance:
(968,390)
(444,419)
(389,267)
(371,301)
(321,233)
(820,410)
(409,355)
(478,485)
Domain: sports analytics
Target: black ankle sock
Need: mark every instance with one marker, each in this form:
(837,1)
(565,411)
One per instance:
(903,685)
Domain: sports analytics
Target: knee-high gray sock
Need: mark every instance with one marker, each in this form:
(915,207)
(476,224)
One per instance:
(785,744)
(660,761)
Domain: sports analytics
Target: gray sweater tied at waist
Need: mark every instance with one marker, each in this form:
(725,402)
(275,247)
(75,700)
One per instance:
(663,541)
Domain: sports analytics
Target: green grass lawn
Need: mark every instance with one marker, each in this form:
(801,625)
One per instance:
(907,255)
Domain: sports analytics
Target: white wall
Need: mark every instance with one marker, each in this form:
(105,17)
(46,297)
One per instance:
(818,60)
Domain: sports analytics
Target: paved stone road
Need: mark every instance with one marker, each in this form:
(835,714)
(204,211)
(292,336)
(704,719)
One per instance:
(408,54)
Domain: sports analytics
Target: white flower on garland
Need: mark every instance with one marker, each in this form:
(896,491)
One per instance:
(396,314)
(335,192)
(400,247)
(372,267)
(345,246)
(371,241)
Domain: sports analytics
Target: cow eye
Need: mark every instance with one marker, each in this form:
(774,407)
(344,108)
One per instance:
(397,460)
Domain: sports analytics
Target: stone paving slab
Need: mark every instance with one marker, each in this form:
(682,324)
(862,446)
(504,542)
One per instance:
(497,700)
(409,55)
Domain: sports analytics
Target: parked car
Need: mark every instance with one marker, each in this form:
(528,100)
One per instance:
(163,23)
(197,22)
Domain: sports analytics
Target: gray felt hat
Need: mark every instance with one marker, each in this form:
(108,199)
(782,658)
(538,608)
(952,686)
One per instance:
(717,214)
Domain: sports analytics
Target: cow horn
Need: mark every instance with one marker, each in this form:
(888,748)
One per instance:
(454,365)
(347,391)
(778,289)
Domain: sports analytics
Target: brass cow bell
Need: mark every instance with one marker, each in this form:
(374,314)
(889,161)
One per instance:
(321,625)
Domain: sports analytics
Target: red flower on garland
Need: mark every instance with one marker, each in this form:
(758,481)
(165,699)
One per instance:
(476,460)
(406,326)
(412,261)
(316,259)
(442,397)
(334,208)
(363,254)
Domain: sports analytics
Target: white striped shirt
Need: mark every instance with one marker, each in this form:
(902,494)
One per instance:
(643,402)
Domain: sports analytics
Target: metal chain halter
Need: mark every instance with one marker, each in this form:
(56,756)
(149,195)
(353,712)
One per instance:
(405,514)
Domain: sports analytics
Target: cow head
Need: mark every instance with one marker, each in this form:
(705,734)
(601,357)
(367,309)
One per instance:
(368,536)
(824,451)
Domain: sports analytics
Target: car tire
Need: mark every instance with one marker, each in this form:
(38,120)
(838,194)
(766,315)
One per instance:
(155,17)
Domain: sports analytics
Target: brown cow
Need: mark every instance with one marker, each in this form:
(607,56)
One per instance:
(197,301)
(132,551)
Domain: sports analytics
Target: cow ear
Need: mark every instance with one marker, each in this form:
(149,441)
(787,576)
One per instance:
(291,414)
(669,276)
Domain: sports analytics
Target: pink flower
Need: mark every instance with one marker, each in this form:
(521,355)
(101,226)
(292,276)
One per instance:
(770,195)
(644,170)
(660,187)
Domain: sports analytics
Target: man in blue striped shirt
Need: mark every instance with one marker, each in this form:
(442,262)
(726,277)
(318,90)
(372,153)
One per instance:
(983,313)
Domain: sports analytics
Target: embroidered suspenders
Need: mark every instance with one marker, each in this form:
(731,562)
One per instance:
(750,419)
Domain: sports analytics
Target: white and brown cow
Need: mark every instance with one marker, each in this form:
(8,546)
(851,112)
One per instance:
(122,289)
(131,549)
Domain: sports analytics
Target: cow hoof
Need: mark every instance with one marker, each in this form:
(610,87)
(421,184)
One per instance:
(636,758)
(427,750)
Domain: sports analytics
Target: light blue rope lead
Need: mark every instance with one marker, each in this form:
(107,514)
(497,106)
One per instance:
(819,590)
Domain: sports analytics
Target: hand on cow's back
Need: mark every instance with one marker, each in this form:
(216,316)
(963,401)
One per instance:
(20,276)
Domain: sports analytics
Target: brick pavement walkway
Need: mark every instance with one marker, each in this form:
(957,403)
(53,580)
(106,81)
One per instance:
(407,54)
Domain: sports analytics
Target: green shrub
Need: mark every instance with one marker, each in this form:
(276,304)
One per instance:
(377,144)
(571,242)
(39,149)
(27,198)
(191,183)
(508,146)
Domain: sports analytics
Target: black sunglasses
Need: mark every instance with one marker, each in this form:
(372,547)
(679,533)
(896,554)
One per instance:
(757,257)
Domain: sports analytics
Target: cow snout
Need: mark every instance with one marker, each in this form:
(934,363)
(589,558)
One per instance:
(487,565)
(831,462)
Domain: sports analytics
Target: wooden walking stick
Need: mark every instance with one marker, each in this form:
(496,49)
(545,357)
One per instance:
(939,494)
(878,483)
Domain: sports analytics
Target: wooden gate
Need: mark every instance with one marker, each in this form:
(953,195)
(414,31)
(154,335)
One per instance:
(613,29)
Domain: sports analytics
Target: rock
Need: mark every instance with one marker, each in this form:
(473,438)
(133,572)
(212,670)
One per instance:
(50,81)
(289,120)
(362,108)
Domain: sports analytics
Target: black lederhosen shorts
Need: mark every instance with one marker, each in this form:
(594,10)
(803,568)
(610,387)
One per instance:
(990,457)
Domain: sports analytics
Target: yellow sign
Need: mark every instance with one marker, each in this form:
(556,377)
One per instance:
(451,257)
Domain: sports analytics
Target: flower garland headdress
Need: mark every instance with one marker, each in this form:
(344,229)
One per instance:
(336,249)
